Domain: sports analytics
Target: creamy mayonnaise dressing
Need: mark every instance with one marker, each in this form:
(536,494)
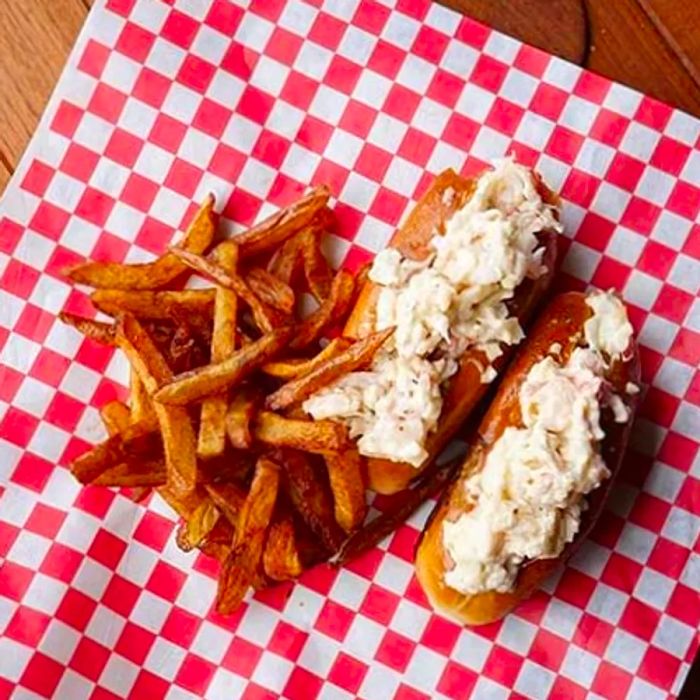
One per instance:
(529,496)
(453,300)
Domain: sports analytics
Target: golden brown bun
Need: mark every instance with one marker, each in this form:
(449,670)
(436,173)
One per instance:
(561,322)
(466,389)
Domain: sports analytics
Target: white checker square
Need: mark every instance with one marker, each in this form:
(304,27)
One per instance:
(358,191)
(33,396)
(642,289)
(622,100)
(225,88)
(303,607)
(125,222)
(118,367)
(313,60)
(259,624)
(561,618)
(181,103)
(105,626)
(92,579)
(335,249)
(636,542)
(153,162)
(318,655)
(13,658)
(363,638)
(488,144)
(59,641)
(658,333)
(93,132)
(553,170)
(683,127)
(654,588)
(241,133)
(639,141)
(149,18)
(471,650)
(379,682)
(284,119)
(581,261)
(49,294)
(71,685)
(197,593)
(137,118)
(63,489)
(349,589)
(298,18)
(11,308)
(475,102)
(211,642)
(424,669)
(490,690)
(210,45)
(442,19)
(20,353)
(502,47)
(561,74)
(79,382)
(9,457)
(610,201)
(333,692)
(607,603)
(61,339)
(400,30)
(685,273)
(580,666)
(387,133)
(533,130)
(166,58)
(517,634)
(169,207)
(254,31)
(641,690)
(416,74)
(225,685)
(674,377)
(673,636)
(578,114)
(681,526)
(625,650)
(29,550)
(691,571)
(625,245)
(518,87)
(430,117)
(342,9)
(534,680)
(269,75)
(594,157)
(197,148)
(357,45)
(48,442)
(256,178)
(655,186)
(410,619)
(402,176)
(328,105)
(446,156)
(120,72)
(137,564)
(373,235)
(118,675)
(371,88)
(664,482)
(64,191)
(459,58)
(687,420)
(393,573)
(691,169)
(164,659)
(150,611)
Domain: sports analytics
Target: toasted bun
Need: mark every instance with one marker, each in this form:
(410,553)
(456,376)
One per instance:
(465,389)
(561,322)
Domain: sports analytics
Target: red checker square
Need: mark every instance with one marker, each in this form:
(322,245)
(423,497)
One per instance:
(153,530)
(415,594)
(123,148)
(327,31)
(415,10)
(611,681)
(621,572)
(334,620)
(270,9)
(640,215)
(224,16)
(121,7)
(689,495)
(440,635)
(314,134)
(473,33)
(195,674)
(505,116)
(659,667)
(45,520)
(653,113)
(532,610)
(347,673)
(388,206)
(154,236)
(66,119)
(531,60)
(49,220)
(406,692)
(659,406)
(196,73)
(386,59)
(609,127)
(611,273)
(255,692)
(42,675)
(166,581)
(135,42)
(401,103)
(183,177)
(180,29)
(379,604)
(687,347)
(457,681)
(151,88)
(283,189)
(242,207)
(106,102)
(283,46)
(670,155)
(148,685)
(242,657)
(593,634)
(371,16)
(255,104)
(548,101)
(357,119)
(625,171)
(649,511)
(34,323)
(95,500)
(271,149)
(27,626)
(89,658)
(685,200)
(656,259)
(61,562)
(240,61)
(693,392)
(489,73)
(650,361)
(395,651)
(592,87)
(10,382)
(93,355)
(430,44)
(64,411)
(524,154)
(334,175)
(640,619)
(548,650)
(349,220)
(10,233)
(672,303)
(226,162)
(321,580)
(20,278)
(564,144)
(373,162)
(121,595)
(683,605)
(18,427)
(565,689)
(14,580)
(445,88)
(79,162)
(76,609)
(503,665)
(342,74)
(575,587)
(287,641)
(692,242)
(678,450)
(37,179)
(60,259)
(403,543)
(417,146)
(94,59)
(8,535)
(107,549)
(95,206)
(302,684)
(211,118)
(139,192)
(580,187)
(181,627)
(298,90)
(167,133)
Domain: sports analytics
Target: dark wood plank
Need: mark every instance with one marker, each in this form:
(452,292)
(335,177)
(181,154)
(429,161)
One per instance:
(34,43)
(558,26)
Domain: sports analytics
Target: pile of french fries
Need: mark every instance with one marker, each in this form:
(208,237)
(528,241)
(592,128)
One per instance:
(218,375)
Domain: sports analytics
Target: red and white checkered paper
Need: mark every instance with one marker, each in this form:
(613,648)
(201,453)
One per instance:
(163,102)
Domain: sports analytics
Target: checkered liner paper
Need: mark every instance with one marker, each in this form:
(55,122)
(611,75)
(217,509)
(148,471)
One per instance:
(164,102)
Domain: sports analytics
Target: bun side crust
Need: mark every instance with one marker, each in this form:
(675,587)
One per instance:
(465,390)
(561,322)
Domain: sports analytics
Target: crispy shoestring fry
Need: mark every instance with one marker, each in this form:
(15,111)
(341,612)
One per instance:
(271,290)
(297,367)
(281,557)
(115,416)
(162,305)
(345,473)
(95,330)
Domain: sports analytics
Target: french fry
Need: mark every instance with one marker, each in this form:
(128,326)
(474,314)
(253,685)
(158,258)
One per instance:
(287,262)
(240,567)
(358,356)
(239,417)
(197,526)
(317,271)
(310,497)
(134,473)
(281,557)
(298,367)
(345,473)
(179,440)
(271,290)
(95,330)
(115,416)
(153,275)
(214,378)
(162,305)
(331,312)
(183,352)
(266,318)
(139,401)
(212,424)
(217,543)
(229,499)
(318,436)
(273,231)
